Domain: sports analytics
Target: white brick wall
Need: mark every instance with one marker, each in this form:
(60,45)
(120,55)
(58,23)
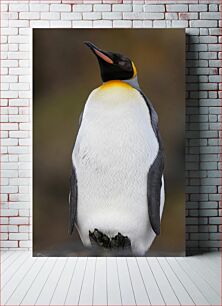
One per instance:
(203,108)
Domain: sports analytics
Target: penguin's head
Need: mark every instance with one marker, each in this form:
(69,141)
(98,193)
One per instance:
(113,66)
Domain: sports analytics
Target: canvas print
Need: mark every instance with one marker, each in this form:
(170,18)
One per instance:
(113,183)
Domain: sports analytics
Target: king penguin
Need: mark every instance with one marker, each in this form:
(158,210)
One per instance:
(117,187)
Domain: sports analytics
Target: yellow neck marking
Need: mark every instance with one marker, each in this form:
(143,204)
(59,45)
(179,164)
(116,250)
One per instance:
(115,83)
(134,70)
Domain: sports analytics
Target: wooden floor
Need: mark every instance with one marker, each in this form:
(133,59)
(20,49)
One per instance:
(110,281)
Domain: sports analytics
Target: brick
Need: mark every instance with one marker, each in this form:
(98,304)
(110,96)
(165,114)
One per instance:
(37,7)
(208,15)
(18,149)
(25,244)
(19,134)
(19,71)
(93,15)
(199,236)
(9,244)
(102,7)
(112,15)
(82,7)
(4,181)
(19,118)
(177,8)
(208,39)
(9,126)
(4,236)
(215,31)
(29,15)
(102,23)
(121,7)
(9,63)
(148,23)
(197,7)
(9,212)
(9,228)
(215,236)
(9,173)
(135,15)
(138,23)
(13,47)
(24,157)
(4,7)
(24,229)
(18,220)
(39,24)
(203,23)
(9,142)
(82,24)
(24,213)
(180,23)
(208,205)
(187,16)
(207,55)
(51,16)
(18,23)
(215,78)
(122,23)
(215,63)
(60,24)
(18,236)
(154,8)
(9,31)
(71,16)
(171,16)
(208,212)
(60,8)
(13,158)
(3,220)
(19,7)
(213,7)
(19,102)
(210,243)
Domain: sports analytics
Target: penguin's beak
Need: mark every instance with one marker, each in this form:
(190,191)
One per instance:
(99,53)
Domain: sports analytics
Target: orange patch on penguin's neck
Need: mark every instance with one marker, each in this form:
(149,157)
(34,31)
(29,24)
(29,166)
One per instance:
(115,83)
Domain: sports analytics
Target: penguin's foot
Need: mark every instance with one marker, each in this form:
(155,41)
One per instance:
(120,241)
(97,238)
(117,242)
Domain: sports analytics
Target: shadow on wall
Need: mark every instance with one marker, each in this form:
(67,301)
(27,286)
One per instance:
(196,196)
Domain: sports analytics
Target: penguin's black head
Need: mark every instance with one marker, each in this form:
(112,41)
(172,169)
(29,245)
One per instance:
(113,66)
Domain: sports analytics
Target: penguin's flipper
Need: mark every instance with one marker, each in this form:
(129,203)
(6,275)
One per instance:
(154,178)
(72,200)
(154,183)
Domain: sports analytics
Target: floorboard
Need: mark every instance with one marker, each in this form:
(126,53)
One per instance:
(47,291)
(208,292)
(27,280)
(152,287)
(126,289)
(188,283)
(113,284)
(63,284)
(137,281)
(75,287)
(182,295)
(166,288)
(100,282)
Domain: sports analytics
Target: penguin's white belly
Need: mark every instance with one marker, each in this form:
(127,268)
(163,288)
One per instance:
(114,150)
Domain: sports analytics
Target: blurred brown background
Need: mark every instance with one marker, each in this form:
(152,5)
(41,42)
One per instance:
(65,72)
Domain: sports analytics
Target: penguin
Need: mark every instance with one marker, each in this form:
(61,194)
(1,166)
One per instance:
(117,183)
